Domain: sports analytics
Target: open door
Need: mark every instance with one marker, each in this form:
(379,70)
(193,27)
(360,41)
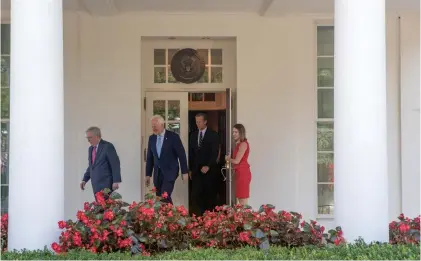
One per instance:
(174,108)
(230,118)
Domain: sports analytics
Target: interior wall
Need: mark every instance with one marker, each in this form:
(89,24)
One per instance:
(276,96)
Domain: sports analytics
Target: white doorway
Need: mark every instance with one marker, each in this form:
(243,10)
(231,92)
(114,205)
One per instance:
(159,87)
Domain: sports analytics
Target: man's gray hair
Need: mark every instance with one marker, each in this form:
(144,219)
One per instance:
(95,131)
(158,118)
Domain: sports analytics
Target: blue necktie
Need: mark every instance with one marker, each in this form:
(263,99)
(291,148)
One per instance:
(159,145)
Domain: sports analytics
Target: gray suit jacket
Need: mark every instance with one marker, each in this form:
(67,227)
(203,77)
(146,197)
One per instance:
(106,169)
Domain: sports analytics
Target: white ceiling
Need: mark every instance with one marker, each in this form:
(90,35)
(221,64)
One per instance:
(261,7)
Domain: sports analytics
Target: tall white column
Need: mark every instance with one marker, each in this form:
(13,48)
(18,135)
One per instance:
(361,179)
(36,195)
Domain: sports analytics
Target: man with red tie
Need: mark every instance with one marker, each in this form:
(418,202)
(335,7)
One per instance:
(104,164)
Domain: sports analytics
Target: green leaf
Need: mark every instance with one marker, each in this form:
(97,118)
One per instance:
(149,196)
(247,226)
(106,191)
(99,216)
(259,233)
(274,233)
(270,206)
(115,195)
(142,239)
(307,227)
(182,222)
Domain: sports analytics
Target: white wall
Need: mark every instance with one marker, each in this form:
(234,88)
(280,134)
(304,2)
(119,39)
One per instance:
(276,77)
(410,105)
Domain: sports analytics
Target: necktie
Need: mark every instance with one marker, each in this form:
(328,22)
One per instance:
(200,139)
(159,145)
(93,154)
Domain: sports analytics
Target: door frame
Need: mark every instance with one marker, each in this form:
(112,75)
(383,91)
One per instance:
(144,121)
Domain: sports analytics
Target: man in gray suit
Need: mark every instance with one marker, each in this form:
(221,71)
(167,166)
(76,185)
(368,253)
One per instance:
(104,164)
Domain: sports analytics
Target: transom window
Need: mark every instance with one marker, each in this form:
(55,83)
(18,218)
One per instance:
(325,130)
(212,57)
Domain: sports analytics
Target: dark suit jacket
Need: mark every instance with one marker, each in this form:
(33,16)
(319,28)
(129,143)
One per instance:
(172,152)
(106,169)
(207,154)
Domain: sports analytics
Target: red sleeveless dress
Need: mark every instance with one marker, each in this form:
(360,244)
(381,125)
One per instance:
(242,173)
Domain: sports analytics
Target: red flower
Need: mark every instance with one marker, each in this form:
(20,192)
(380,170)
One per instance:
(244,236)
(108,215)
(56,248)
(62,224)
(164,195)
(403,228)
(182,210)
(86,206)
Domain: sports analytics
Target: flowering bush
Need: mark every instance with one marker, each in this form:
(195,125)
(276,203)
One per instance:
(405,230)
(110,225)
(4,229)
(100,227)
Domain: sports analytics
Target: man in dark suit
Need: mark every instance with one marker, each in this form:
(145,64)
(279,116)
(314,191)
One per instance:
(104,164)
(203,154)
(165,154)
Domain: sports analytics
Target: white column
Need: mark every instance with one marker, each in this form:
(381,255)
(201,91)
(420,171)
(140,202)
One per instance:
(361,179)
(36,127)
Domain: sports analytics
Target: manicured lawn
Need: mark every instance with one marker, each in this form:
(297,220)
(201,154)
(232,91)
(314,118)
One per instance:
(346,252)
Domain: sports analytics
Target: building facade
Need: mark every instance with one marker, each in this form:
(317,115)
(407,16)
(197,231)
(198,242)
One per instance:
(329,96)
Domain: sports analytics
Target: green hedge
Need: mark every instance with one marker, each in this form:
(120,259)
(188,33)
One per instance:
(347,252)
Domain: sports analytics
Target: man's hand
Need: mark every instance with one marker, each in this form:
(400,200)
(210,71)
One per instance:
(115,186)
(204,169)
(82,185)
(148,181)
(185,177)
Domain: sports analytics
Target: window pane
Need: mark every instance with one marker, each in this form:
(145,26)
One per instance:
(216,75)
(325,136)
(325,103)
(175,127)
(4,153)
(159,75)
(159,56)
(4,199)
(325,167)
(325,72)
(5,103)
(159,108)
(197,97)
(205,76)
(325,199)
(174,110)
(204,54)
(5,39)
(171,78)
(325,39)
(171,53)
(5,71)
(210,97)
(216,56)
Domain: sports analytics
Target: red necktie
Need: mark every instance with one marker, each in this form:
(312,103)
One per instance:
(93,154)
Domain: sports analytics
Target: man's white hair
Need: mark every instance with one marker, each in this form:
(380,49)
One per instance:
(158,118)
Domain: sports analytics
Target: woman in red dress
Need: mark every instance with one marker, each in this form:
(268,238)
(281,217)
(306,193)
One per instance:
(240,164)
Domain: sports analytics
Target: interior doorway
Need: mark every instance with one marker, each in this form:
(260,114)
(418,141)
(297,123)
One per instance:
(178,108)
(214,105)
